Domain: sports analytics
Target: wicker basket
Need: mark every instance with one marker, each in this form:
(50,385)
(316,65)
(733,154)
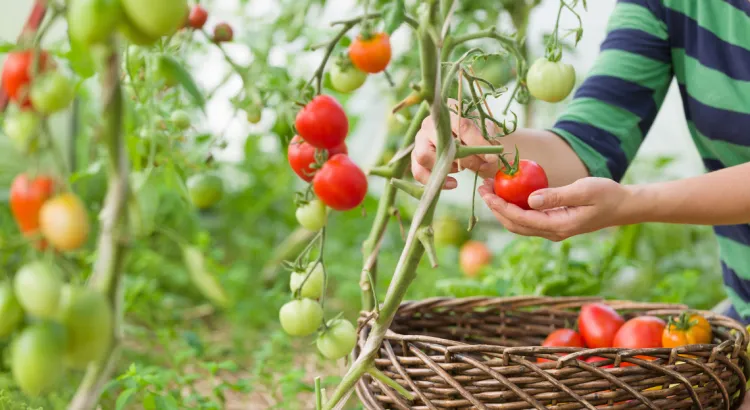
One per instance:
(480,353)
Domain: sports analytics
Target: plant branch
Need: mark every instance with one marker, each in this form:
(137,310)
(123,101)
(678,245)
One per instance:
(410,188)
(466,151)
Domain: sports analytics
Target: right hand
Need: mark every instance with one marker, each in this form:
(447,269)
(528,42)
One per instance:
(424,155)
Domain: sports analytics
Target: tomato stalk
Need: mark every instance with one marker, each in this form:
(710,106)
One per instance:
(113,237)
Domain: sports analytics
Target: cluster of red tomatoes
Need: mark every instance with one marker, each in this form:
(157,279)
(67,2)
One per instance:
(197,18)
(599,326)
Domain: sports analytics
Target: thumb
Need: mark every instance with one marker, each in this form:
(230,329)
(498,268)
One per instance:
(569,195)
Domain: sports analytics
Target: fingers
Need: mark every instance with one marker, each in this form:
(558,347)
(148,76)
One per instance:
(471,135)
(422,175)
(575,194)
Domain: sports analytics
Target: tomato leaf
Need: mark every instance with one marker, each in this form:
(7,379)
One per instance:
(395,16)
(177,71)
(124,398)
(81,60)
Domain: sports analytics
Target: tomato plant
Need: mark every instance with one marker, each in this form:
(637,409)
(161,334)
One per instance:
(87,317)
(687,329)
(517,183)
(473,257)
(205,190)
(598,324)
(27,196)
(18,69)
(92,21)
(497,69)
(51,92)
(11,314)
(562,338)
(345,77)
(371,54)
(198,17)
(312,215)
(337,339)
(313,286)
(223,33)
(37,287)
(155,18)
(301,156)
(64,222)
(37,358)
(550,81)
(301,317)
(340,184)
(322,123)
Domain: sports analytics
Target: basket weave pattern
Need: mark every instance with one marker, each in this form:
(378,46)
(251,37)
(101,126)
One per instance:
(481,353)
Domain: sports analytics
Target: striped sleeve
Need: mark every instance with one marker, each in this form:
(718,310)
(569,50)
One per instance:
(616,105)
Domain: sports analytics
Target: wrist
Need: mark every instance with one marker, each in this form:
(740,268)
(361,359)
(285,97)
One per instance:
(637,206)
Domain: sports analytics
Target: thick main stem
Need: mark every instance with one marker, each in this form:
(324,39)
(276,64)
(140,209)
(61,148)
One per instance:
(406,269)
(111,247)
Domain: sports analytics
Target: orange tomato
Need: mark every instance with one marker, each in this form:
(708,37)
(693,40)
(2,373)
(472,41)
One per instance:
(64,222)
(27,195)
(687,329)
(371,54)
(474,256)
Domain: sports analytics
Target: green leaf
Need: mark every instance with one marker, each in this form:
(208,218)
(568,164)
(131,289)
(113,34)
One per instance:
(395,16)
(124,398)
(81,60)
(177,72)
(6,47)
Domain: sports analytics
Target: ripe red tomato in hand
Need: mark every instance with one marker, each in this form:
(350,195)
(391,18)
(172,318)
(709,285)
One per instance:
(474,256)
(640,333)
(223,32)
(27,195)
(198,17)
(372,54)
(17,73)
(340,183)
(562,338)
(301,157)
(517,187)
(598,325)
(322,122)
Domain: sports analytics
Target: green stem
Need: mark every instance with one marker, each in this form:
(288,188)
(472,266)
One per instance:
(385,171)
(414,190)
(380,376)
(466,151)
(318,395)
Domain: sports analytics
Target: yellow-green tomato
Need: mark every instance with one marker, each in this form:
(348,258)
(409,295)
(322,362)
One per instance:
(87,317)
(254,113)
(205,190)
(337,340)
(11,314)
(22,127)
(156,18)
(37,288)
(347,78)
(313,287)
(180,119)
(312,216)
(134,34)
(449,231)
(52,92)
(37,358)
(92,21)
(301,317)
(550,81)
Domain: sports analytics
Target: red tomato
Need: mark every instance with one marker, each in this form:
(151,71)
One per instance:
(517,187)
(371,55)
(27,195)
(340,183)
(17,72)
(322,122)
(223,32)
(598,324)
(302,156)
(197,18)
(640,333)
(474,256)
(562,338)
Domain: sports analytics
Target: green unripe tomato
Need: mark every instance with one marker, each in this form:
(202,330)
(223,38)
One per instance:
(301,317)
(37,358)
(180,119)
(313,287)
(52,92)
(156,18)
(11,313)
(37,288)
(22,127)
(88,320)
(550,81)
(312,216)
(449,231)
(205,190)
(338,340)
(347,78)
(92,21)
(254,113)
(134,34)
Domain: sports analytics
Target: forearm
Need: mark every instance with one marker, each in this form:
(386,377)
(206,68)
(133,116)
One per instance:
(559,161)
(717,198)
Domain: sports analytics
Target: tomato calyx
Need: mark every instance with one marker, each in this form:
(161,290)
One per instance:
(510,169)
(683,322)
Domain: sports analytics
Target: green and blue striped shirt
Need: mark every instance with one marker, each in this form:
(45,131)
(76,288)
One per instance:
(705,44)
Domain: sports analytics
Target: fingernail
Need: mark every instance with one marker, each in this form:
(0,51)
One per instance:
(536,201)
(451,184)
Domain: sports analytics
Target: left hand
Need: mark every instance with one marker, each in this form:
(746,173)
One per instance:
(586,205)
